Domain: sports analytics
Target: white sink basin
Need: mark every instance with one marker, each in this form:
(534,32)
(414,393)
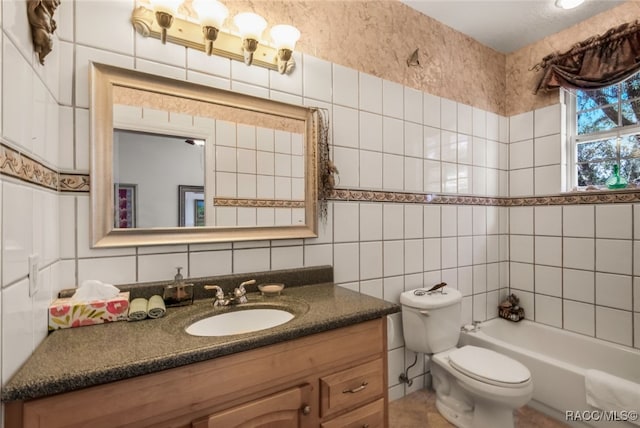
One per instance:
(238,322)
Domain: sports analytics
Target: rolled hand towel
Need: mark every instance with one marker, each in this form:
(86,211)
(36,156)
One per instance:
(156,307)
(138,309)
(608,392)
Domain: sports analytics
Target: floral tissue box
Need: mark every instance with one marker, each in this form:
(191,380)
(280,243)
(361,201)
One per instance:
(67,313)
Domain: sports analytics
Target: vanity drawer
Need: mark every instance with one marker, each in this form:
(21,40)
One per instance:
(351,387)
(369,416)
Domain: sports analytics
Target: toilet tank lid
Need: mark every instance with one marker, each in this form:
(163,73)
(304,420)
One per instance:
(420,299)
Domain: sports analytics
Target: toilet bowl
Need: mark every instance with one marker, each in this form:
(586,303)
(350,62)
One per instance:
(475,387)
(490,385)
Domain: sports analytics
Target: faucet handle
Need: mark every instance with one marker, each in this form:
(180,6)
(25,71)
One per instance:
(250,282)
(240,291)
(218,289)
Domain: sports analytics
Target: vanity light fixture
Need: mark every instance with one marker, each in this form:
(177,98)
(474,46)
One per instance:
(212,14)
(568,4)
(251,27)
(285,38)
(207,33)
(165,10)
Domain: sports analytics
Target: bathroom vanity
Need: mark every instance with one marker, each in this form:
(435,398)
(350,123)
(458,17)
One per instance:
(325,368)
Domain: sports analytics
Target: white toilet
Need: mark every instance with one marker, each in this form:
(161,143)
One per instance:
(475,387)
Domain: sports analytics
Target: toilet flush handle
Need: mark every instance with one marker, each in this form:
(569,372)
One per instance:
(425,313)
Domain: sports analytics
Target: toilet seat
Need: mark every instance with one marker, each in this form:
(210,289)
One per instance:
(489,366)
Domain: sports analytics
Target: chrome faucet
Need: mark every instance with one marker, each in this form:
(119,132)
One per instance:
(471,328)
(218,299)
(236,298)
(240,292)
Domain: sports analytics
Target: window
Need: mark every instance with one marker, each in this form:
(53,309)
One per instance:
(604,127)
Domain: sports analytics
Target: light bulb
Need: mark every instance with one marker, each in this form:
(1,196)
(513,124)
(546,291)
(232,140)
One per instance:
(285,36)
(211,13)
(167,6)
(250,25)
(568,4)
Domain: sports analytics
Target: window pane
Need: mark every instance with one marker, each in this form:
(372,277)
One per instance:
(630,112)
(597,120)
(630,169)
(630,88)
(630,146)
(597,97)
(594,173)
(597,150)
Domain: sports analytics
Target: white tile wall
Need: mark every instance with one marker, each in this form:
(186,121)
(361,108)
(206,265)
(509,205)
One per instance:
(578,220)
(548,180)
(613,221)
(448,115)
(581,277)
(17,231)
(579,317)
(548,280)
(521,127)
(370,94)
(345,86)
(579,285)
(548,310)
(521,182)
(521,155)
(548,150)
(614,325)
(317,81)
(17,327)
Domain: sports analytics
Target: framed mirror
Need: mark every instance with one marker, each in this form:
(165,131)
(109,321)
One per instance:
(175,162)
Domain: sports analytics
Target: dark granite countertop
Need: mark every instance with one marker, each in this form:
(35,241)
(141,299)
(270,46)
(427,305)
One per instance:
(75,358)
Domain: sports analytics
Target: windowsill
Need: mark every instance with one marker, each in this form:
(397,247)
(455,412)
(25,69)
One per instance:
(596,190)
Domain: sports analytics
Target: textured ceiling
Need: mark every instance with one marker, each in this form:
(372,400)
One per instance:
(508,25)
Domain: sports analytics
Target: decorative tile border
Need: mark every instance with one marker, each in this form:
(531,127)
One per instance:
(258,203)
(411,198)
(18,165)
(574,198)
(74,183)
(21,166)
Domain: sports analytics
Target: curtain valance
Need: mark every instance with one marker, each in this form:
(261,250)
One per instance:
(594,63)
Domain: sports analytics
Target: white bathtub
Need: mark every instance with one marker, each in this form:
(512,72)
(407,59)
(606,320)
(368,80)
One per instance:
(557,360)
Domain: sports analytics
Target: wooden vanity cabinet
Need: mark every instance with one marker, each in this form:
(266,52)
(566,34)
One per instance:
(286,409)
(332,379)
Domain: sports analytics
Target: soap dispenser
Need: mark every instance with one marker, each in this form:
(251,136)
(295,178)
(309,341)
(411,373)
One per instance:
(178,293)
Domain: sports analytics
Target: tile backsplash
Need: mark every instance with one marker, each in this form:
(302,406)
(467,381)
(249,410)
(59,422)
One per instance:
(573,266)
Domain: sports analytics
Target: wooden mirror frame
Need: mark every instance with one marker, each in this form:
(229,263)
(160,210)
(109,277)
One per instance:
(103,234)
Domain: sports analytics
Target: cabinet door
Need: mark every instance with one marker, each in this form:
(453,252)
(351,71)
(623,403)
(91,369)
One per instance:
(286,409)
(368,416)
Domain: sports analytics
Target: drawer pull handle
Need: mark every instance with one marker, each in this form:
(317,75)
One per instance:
(365,426)
(306,409)
(358,389)
(425,313)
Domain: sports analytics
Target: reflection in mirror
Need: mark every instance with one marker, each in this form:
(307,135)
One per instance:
(191,206)
(176,162)
(148,162)
(125,205)
(254,168)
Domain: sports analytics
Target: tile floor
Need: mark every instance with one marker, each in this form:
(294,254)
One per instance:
(418,410)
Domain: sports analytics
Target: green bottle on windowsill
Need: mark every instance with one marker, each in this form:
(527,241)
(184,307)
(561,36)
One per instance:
(615,181)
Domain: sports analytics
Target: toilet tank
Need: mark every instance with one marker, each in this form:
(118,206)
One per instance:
(431,322)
